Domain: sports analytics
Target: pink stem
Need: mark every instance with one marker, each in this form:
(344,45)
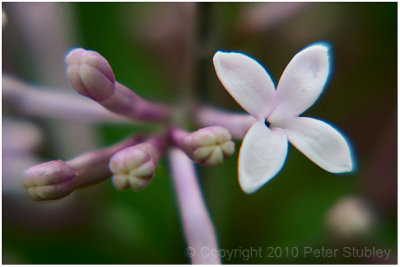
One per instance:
(236,123)
(92,167)
(176,137)
(125,102)
(197,225)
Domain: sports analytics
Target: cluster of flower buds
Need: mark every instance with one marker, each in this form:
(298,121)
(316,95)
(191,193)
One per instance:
(131,163)
(273,121)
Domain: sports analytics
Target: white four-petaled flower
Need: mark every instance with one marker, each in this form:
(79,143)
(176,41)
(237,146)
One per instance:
(264,147)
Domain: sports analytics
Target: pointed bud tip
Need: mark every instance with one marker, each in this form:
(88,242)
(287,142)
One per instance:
(52,172)
(50,180)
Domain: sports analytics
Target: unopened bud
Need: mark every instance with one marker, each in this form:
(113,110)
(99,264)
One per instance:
(90,74)
(57,179)
(50,180)
(208,146)
(134,167)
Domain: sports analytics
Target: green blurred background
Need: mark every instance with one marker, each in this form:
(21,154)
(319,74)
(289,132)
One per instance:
(146,44)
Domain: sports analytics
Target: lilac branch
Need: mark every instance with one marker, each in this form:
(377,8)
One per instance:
(197,226)
(56,179)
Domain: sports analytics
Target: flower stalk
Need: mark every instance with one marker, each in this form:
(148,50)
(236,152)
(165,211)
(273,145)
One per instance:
(236,123)
(197,226)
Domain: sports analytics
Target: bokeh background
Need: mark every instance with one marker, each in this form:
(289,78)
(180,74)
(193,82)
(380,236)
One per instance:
(150,46)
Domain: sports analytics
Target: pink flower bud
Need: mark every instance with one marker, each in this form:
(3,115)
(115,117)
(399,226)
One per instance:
(90,74)
(134,167)
(57,179)
(50,180)
(208,146)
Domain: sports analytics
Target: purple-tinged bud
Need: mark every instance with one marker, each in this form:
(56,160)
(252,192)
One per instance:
(57,179)
(90,74)
(134,167)
(50,180)
(208,146)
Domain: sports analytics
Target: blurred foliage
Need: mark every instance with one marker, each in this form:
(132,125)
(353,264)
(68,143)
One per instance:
(144,227)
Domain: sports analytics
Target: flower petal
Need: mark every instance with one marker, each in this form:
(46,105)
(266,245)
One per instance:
(247,81)
(320,142)
(302,82)
(262,155)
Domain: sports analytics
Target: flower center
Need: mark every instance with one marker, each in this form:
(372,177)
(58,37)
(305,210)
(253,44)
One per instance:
(267,123)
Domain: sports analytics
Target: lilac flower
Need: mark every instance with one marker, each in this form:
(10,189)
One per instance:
(274,120)
(264,147)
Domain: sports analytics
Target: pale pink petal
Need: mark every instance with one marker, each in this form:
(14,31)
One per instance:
(302,82)
(320,142)
(262,155)
(247,81)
